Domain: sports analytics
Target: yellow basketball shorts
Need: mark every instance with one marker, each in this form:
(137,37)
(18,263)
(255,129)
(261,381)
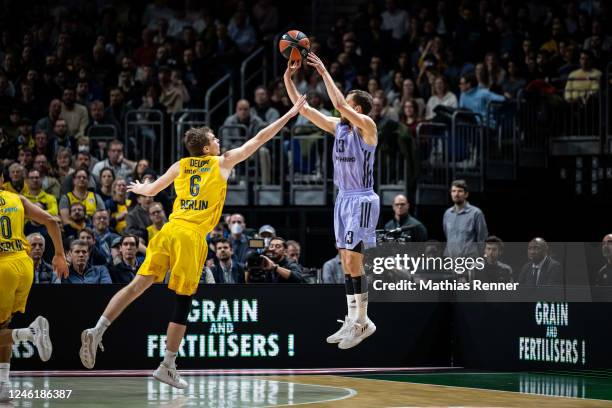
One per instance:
(16,277)
(181,248)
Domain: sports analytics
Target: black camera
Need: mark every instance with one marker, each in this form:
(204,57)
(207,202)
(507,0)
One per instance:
(255,261)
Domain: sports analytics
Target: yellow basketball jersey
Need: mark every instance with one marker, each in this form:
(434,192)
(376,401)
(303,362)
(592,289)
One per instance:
(89,202)
(12,214)
(200,192)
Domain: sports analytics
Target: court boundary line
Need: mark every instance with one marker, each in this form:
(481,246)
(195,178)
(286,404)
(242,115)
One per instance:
(351,391)
(484,389)
(225,371)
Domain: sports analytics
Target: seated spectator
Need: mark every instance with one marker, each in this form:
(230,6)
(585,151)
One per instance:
(242,32)
(79,194)
(541,270)
(583,82)
(25,158)
(174,95)
(410,226)
(75,221)
(80,270)
(243,117)
(226,269)
(43,271)
(16,183)
(494,270)
(238,237)
(118,205)
(115,160)
(440,95)
(158,219)
(63,164)
(262,107)
(42,145)
(408,93)
(50,184)
(96,257)
(126,266)
(410,117)
(60,136)
(47,123)
(75,114)
(279,268)
(513,82)
(82,161)
(395,20)
(35,193)
(604,275)
(141,166)
(101,125)
(332,271)
(474,98)
(103,236)
(294,250)
(105,187)
(137,219)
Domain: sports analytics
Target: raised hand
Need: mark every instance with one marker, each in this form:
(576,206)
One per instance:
(315,62)
(292,67)
(136,187)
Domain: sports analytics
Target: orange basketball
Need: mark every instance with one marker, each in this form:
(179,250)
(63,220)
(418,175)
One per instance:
(294,45)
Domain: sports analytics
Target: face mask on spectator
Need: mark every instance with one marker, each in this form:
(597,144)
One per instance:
(267,242)
(236,228)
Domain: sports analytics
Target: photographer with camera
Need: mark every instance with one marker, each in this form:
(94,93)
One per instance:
(274,266)
(406,225)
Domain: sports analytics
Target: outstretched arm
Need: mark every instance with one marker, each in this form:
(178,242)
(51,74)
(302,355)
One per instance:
(326,123)
(363,122)
(37,214)
(231,158)
(152,189)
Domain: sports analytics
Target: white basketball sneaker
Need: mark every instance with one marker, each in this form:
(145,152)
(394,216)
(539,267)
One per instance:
(42,341)
(339,335)
(5,388)
(357,333)
(169,376)
(90,341)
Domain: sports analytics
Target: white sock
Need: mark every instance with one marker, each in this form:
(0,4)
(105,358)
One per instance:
(170,358)
(351,304)
(4,372)
(26,334)
(362,307)
(102,325)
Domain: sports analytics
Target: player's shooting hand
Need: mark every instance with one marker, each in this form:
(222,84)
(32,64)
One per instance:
(315,62)
(292,67)
(298,106)
(60,266)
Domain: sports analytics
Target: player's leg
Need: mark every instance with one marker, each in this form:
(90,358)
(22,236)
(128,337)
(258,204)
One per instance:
(91,338)
(6,341)
(187,249)
(361,235)
(166,372)
(339,231)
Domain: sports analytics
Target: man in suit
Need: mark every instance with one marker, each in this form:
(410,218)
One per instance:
(541,270)
(227,270)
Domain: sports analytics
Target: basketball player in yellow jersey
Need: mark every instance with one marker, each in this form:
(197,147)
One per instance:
(16,276)
(200,183)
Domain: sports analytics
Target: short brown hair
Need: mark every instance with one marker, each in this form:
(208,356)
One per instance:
(460,183)
(196,139)
(363,99)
